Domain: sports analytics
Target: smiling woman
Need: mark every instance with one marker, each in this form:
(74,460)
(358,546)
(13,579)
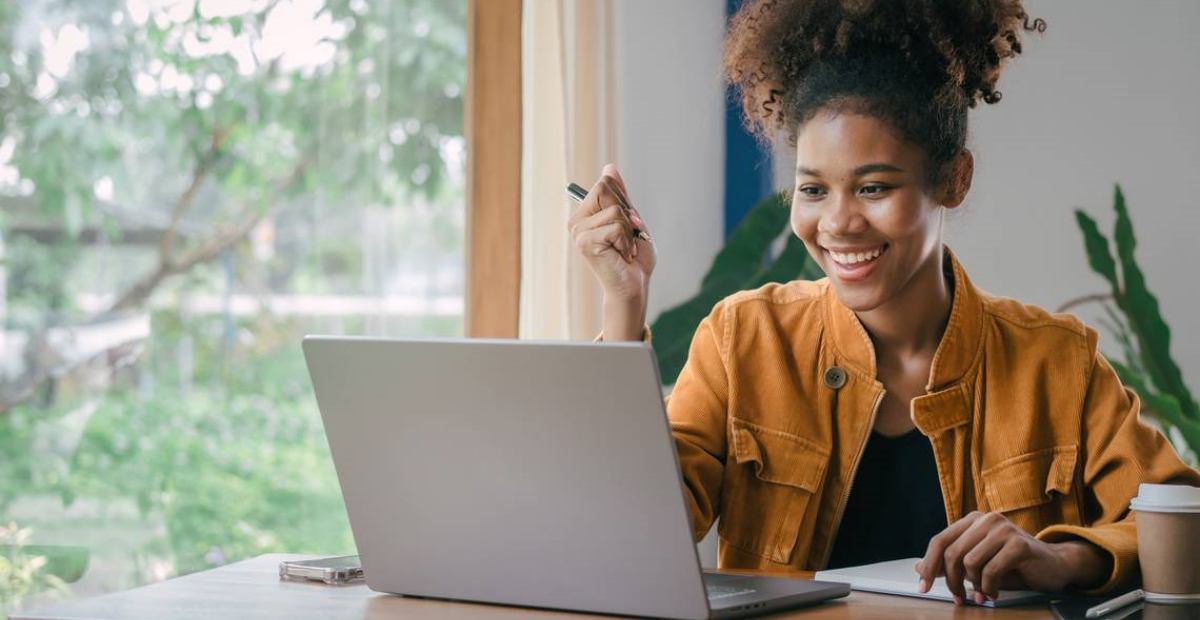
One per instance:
(873,227)
(891,410)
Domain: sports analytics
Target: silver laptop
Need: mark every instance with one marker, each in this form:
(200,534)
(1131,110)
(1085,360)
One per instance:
(540,474)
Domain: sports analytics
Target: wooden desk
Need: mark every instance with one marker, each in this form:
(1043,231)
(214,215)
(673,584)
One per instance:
(251,589)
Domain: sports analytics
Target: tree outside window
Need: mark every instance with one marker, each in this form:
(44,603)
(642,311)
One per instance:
(187,187)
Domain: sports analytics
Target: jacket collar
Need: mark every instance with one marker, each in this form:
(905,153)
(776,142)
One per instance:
(956,353)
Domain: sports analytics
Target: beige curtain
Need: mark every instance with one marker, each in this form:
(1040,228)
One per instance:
(569,133)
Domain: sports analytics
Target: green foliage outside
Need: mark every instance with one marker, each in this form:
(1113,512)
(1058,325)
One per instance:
(233,466)
(1133,317)
(181,153)
(23,571)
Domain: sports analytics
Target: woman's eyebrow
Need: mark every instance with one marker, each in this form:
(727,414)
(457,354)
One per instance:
(876,167)
(858,172)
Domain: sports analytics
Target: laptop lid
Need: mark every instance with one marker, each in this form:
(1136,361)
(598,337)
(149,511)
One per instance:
(517,472)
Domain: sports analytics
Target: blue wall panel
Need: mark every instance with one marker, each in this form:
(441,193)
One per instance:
(747,164)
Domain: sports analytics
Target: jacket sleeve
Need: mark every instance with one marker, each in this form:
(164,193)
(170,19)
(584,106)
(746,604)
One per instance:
(1120,452)
(697,410)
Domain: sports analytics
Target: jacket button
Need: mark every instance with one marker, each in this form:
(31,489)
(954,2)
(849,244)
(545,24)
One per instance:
(835,378)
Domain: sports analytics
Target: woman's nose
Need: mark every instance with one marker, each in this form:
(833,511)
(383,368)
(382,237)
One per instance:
(842,218)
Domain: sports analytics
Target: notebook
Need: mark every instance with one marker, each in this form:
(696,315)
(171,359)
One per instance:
(899,577)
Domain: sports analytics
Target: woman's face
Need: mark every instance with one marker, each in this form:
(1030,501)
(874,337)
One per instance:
(862,209)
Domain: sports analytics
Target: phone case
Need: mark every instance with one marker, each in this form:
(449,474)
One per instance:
(332,575)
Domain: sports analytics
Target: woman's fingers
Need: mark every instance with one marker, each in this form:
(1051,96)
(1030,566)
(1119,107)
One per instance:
(608,190)
(607,202)
(931,566)
(616,190)
(589,207)
(955,554)
(610,170)
(615,185)
(611,213)
(596,241)
(608,215)
(599,197)
(636,217)
(1001,565)
(982,548)
(979,557)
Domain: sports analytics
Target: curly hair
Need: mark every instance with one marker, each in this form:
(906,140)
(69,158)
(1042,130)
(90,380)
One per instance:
(917,65)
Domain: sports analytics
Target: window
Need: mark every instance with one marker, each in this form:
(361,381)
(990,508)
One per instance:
(187,187)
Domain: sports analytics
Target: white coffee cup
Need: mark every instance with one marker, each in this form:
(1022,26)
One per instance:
(1168,532)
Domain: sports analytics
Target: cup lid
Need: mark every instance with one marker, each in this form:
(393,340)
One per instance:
(1166,498)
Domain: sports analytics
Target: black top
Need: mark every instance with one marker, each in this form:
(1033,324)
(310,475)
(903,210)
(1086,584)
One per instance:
(895,503)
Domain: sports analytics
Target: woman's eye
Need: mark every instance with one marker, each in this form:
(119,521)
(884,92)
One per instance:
(810,191)
(873,190)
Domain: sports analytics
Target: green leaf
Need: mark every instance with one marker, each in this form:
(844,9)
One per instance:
(1141,308)
(1119,328)
(66,495)
(1163,407)
(738,266)
(1099,256)
(748,244)
(678,325)
(65,562)
(812,271)
(787,266)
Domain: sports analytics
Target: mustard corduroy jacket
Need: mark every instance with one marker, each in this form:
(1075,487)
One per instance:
(773,409)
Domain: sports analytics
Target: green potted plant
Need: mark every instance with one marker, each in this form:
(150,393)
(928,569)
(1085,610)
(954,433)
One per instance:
(1133,318)
(745,262)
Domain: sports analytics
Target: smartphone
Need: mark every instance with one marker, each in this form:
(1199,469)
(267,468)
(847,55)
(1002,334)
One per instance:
(333,571)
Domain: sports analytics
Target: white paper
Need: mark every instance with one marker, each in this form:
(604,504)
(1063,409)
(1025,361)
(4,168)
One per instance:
(899,577)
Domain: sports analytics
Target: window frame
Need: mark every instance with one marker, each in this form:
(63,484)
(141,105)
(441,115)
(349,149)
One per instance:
(492,125)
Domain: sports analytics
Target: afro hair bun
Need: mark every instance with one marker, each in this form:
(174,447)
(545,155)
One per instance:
(953,50)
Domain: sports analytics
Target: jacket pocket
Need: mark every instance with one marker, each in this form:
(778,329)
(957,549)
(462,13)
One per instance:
(1031,488)
(770,483)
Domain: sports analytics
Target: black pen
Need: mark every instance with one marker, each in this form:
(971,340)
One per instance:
(578,194)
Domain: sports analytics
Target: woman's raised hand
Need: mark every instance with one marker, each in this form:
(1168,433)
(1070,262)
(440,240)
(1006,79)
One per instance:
(603,230)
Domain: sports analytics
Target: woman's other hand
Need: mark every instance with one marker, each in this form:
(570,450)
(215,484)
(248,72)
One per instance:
(992,553)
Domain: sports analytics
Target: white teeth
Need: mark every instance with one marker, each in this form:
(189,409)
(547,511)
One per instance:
(853,258)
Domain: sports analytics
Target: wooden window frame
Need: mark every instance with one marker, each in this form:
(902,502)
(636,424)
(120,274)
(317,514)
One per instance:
(492,125)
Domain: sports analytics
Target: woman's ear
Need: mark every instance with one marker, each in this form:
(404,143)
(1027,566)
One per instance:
(958,182)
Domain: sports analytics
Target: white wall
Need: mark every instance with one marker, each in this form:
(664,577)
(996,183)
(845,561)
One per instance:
(1108,93)
(671,141)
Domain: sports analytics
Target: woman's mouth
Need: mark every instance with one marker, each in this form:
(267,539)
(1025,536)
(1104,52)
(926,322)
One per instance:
(853,264)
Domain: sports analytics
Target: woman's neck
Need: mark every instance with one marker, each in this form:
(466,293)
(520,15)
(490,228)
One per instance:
(912,322)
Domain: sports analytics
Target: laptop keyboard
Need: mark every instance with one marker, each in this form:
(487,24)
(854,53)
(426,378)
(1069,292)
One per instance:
(720,592)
